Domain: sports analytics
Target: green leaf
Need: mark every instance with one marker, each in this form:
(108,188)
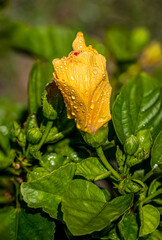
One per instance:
(46,192)
(149,220)
(128,227)
(86,210)
(156,154)
(64,148)
(154,186)
(90,168)
(6,161)
(112,235)
(118,43)
(138,174)
(138,107)
(52,161)
(4,139)
(36,173)
(44,41)
(23,224)
(156,235)
(125,44)
(39,76)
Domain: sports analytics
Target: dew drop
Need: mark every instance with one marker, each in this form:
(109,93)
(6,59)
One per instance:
(73,97)
(73,113)
(101,120)
(95,71)
(61,66)
(92,106)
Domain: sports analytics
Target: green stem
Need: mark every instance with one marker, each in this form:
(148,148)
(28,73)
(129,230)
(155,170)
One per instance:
(23,149)
(17,192)
(152,196)
(46,132)
(106,163)
(143,201)
(149,174)
(103,176)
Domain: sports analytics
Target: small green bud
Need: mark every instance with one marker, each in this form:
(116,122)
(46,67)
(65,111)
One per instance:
(97,139)
(131,144)
(30,123)
(135,186)
(120,157)
(145,143)
(130,186)
(19,134)
(34,135)
(34,152)
(52,101)
(48,110)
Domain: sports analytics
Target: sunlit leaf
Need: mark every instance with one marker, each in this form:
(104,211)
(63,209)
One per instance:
(138,107)
(86,210)
(46,192)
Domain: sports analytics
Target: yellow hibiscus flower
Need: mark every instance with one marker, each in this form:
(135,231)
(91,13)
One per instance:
(83,81)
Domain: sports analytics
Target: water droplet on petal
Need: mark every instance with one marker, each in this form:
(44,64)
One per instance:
(95,71)
(73,97)
(101,120)
(92,106)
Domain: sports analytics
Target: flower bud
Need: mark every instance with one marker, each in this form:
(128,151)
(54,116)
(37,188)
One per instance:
(83,81)
(131,145)
(34,135)
(31,122)
(130,186)
(48,108)
(19,134)
(145,142)
(97,139)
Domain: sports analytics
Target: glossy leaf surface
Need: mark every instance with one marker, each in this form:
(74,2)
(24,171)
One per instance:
(86,210)
(138,107)
(156,154)
(39,76)
(46,192)
(90,168)
(149,220)
(128,227)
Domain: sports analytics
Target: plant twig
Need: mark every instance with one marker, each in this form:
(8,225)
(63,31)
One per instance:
(106,163)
